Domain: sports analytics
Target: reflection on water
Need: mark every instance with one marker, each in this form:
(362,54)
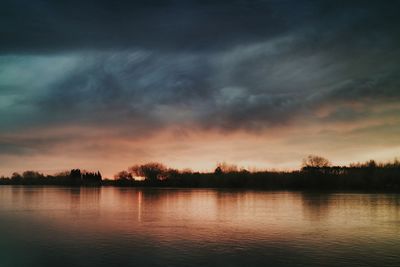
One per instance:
(49,226)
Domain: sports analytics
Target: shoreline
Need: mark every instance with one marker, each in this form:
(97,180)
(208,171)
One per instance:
(300,190)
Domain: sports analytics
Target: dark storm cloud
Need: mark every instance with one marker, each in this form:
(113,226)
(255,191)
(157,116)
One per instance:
(247,88)
(126,89)
(213,64)
(48,26)
(22,145)
(54,26)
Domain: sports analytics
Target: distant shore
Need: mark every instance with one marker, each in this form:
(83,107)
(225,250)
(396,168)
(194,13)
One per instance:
(327,178)
(362,177)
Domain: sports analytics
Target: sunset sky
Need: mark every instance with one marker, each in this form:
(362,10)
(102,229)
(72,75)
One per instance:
(102,85)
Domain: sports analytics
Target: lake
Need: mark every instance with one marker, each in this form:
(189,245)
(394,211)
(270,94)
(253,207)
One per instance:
(55,226)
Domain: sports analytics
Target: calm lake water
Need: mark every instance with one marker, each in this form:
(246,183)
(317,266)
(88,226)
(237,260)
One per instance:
(49,226)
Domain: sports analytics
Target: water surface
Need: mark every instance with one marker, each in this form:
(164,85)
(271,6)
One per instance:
(50,226)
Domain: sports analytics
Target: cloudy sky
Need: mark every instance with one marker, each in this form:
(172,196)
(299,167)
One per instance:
(107,84)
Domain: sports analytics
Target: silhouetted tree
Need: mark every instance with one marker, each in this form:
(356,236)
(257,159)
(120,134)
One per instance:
(371,164)
(75,176)
(123,175)
(226,167)
(151,171)
(169,174)
(91,178)
(314,161)
(218,171)
(16,177)
(32,175)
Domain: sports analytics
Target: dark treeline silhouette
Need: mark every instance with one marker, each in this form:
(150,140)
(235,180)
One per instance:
(317,173)
(75,177)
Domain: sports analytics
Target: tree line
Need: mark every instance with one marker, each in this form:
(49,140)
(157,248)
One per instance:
(75,177)
(316,173)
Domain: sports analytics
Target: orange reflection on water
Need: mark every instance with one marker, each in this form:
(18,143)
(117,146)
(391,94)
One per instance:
(204,214)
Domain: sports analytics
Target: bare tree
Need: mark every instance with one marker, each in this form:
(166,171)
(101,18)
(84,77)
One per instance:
(314,161)
(226,167)
(151,171)
(123,175)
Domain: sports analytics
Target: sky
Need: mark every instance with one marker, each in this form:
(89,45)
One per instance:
(103,85)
